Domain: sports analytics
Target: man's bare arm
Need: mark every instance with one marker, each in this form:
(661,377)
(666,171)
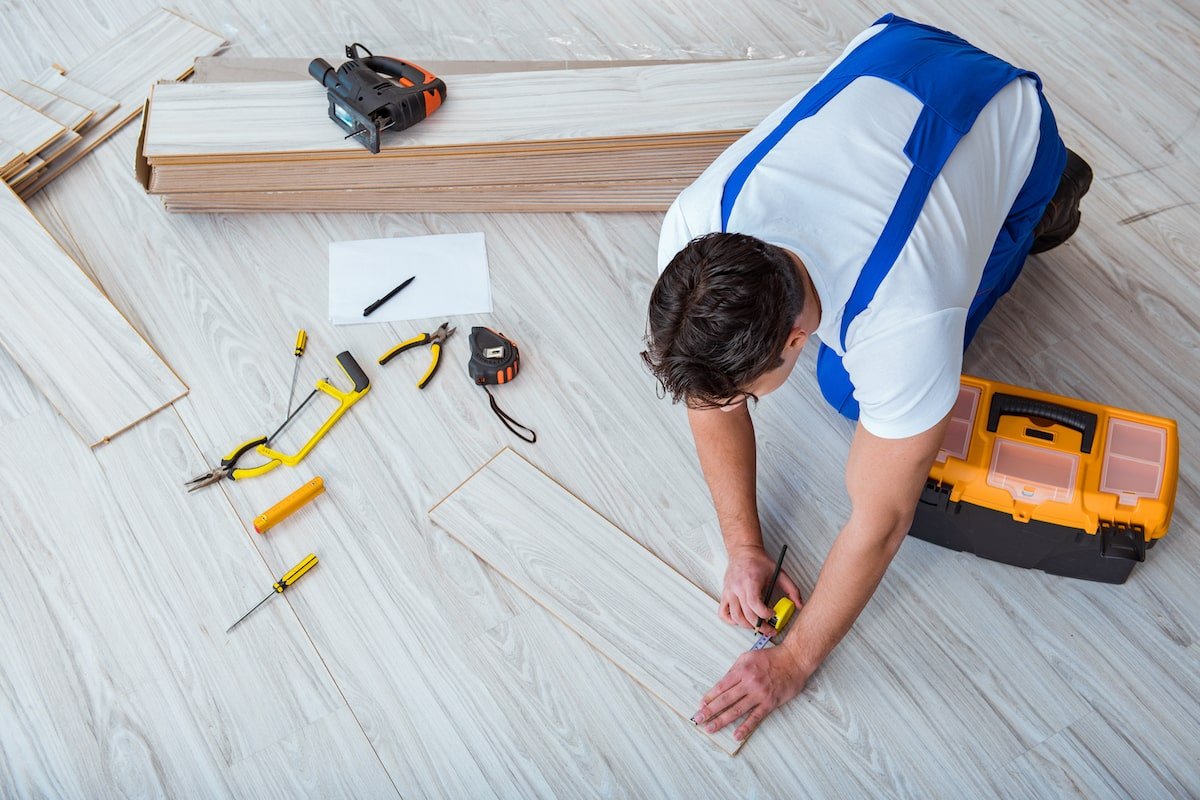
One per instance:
(726,447)
(884,478)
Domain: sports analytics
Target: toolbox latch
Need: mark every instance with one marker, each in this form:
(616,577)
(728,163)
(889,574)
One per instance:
(1118,540)
(936,494)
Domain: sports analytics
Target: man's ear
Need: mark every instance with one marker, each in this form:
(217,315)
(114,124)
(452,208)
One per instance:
(797,337)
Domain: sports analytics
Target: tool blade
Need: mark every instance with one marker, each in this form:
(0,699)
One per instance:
(248,613)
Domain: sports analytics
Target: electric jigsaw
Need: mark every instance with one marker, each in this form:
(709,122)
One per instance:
(365,101)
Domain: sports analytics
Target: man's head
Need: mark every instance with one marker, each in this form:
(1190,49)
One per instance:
(725,320)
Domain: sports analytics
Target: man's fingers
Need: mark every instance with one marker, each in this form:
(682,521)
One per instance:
(726,683)
(718,704)
(756,716)
(731,714)
(736,615)
(723,612)
(761,609)
(789,588)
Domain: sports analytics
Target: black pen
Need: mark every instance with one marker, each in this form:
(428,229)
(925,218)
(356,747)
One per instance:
(371,308)
(771,587)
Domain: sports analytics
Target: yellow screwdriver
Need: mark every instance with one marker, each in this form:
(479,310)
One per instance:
(290,577)
(301,343)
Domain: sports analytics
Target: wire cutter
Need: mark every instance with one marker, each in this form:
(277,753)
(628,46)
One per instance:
(435,341)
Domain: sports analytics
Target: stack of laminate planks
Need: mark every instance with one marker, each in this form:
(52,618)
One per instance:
(51,120)
(606,139)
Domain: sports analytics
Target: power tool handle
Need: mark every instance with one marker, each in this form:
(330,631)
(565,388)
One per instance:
(404,70)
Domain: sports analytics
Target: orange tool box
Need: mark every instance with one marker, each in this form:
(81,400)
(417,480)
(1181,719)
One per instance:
(1048,482)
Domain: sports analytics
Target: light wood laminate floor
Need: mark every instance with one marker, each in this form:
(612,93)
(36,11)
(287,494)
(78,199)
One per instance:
(402,666)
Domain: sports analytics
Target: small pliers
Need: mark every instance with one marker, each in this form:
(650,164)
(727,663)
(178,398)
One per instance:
(229,468)
(434,340)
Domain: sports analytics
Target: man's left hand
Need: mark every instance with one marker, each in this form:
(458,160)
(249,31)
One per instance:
(758,682)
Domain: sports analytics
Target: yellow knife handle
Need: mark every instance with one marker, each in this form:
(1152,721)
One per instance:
(294,574)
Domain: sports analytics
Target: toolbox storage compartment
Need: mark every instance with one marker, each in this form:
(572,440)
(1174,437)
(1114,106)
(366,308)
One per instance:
(1051,483)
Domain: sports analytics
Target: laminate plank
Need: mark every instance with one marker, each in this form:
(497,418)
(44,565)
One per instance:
(117,678)
(595,579)
(39,162)
(1089,759)
(12,159)
(192,120)
(66,113)
(598,196)
(24,127)
(261,70)
(68,337)
(652,162)
(72,90)
(221,293)
(163,45)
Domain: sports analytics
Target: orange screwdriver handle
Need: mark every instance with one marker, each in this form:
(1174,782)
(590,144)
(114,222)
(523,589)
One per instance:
(289,505)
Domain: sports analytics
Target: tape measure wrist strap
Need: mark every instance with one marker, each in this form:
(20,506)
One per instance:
(508,421)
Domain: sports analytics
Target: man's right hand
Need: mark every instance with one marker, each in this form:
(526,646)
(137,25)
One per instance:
(746,577)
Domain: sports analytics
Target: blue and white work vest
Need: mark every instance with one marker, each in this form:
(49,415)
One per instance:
(954,81)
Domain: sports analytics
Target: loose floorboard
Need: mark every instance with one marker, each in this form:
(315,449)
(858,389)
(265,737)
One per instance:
(963,678)
(163,45)
(73,91)
(61,110)
(24,127)
(594,578)
(92,365)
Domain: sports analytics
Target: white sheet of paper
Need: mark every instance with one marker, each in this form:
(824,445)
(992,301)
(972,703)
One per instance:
(451,273)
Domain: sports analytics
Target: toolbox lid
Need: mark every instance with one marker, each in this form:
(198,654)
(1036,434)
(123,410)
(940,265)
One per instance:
(1134,460)
(1033,474)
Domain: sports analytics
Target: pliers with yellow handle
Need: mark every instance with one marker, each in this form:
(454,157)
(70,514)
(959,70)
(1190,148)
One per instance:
(228,468)
(434,340)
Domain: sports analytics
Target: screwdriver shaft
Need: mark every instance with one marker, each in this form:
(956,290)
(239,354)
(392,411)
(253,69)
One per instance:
(251,611)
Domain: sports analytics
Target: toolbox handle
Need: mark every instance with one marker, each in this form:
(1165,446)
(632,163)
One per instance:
(1004,405)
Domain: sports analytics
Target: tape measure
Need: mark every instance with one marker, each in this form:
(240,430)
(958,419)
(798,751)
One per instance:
(496,360)
(784,610)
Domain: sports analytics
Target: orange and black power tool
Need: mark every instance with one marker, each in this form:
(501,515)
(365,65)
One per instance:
(364,100)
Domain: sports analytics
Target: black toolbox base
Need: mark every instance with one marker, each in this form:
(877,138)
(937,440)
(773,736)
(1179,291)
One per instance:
(1052,548)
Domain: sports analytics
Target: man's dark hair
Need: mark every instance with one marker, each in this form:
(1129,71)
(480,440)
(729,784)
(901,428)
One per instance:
(720,315)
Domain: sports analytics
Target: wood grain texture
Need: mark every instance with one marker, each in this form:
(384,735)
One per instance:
(546,197)
(116,678)
(59,147)
(643,163)
(163,45)
(24,127)
(96,369)
(72,90)
(231,69)
(962,678)
(288,119)
(596,579)
(66,113)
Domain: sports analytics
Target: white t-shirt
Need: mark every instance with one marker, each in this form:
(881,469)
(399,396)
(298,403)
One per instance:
(825,191)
